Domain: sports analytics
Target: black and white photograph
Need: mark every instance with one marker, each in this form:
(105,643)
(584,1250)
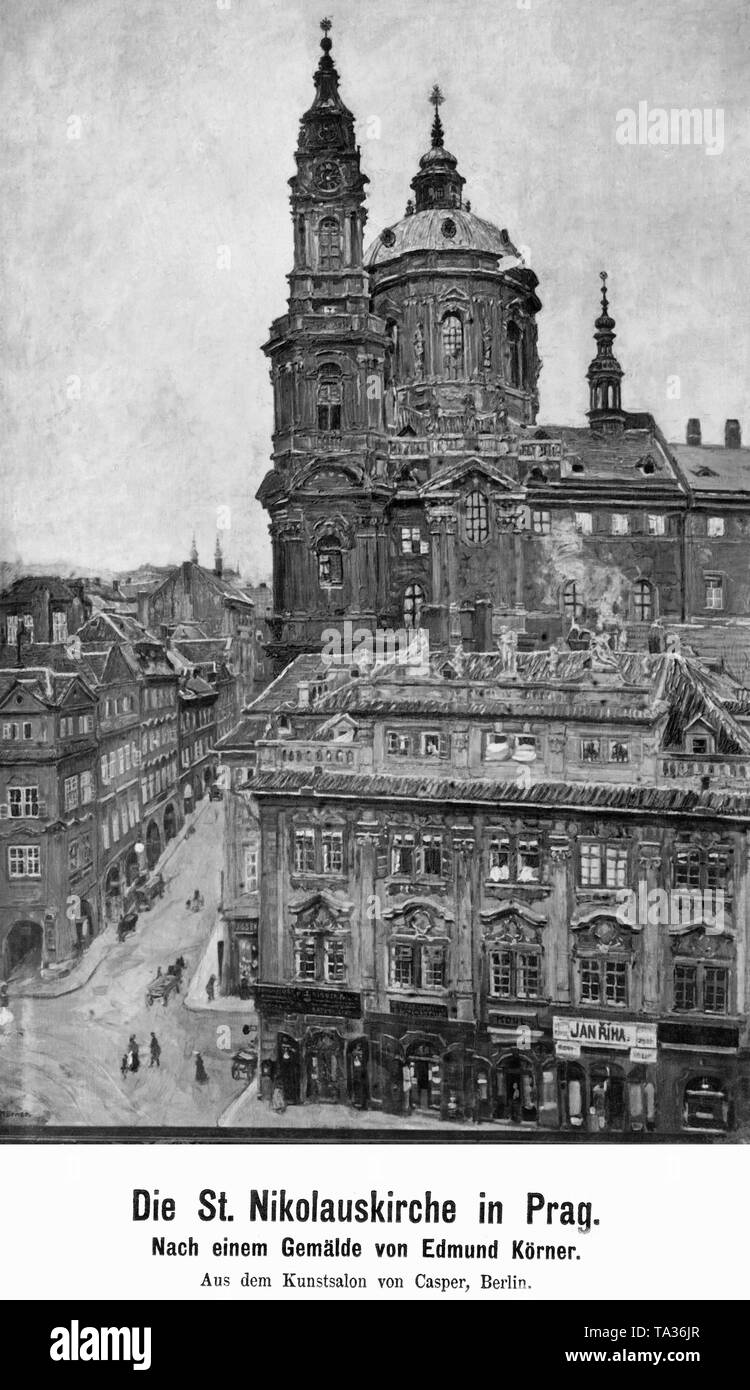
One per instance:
(375,571)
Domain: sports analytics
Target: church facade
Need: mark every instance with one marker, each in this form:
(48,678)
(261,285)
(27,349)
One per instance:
(413,485)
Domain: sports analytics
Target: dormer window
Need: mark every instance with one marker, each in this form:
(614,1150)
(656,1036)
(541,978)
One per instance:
(477,520)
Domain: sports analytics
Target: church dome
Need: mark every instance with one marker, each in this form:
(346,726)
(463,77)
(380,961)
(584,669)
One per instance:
(440,229)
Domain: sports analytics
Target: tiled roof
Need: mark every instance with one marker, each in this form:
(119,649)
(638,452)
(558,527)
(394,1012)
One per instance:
(32,583)
(615,458)
(558,796)
(711,468)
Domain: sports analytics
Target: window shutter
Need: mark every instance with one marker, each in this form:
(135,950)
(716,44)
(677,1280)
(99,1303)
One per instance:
(41,809)
(4,811)
(445,859)
(443,745)
(382,863)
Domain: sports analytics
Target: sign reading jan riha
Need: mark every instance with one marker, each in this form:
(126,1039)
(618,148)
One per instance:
(601,1032)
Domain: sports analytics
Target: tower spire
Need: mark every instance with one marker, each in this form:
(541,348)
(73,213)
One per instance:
(438,183)
(194,551)
(605,373)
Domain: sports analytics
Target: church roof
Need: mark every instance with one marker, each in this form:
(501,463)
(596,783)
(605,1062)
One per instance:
(440,229)
(713,468)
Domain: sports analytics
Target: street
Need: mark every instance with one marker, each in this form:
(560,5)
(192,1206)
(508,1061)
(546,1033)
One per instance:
(60,1057)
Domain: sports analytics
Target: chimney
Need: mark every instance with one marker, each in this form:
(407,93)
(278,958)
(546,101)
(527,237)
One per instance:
(732,435)
(115,586)
(303,694)
(693,435)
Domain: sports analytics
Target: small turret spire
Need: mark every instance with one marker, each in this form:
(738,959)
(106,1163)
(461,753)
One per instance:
(194,551)
(438,183)
(438,135)
(605,373)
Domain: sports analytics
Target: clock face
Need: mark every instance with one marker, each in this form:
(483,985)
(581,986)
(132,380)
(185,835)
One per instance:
(327,176)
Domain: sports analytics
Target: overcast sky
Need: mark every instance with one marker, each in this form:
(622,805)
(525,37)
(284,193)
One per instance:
(139,136)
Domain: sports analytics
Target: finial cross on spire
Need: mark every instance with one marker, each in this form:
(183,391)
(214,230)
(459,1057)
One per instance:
(436,100)
(436,97)
(326,26)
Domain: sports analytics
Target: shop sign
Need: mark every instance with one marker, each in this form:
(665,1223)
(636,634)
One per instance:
(512,1020)
(407,1009)
(567,1049)
(302,999)
(600,1032)
(647,1055)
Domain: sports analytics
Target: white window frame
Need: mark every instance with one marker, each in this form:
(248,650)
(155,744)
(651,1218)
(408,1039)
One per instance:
(584,523)
(24,861)
(620,524)
(715,526)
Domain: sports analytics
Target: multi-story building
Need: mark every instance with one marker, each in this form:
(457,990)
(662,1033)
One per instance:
(114,675)
(216,601)
(48,833)
(196,739)
(524,882)
(158,761)
(43,608)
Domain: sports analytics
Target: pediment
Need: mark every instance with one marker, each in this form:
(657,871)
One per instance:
(19,699)
(453,477)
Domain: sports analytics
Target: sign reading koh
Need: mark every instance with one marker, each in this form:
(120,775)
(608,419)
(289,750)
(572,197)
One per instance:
(600,1032)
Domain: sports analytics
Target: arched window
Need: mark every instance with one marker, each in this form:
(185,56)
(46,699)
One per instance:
(453,345)
(330,563)
(643,601)
(413,605)
(514,338)
(477,522)
(329,243)
(329,398)
(572,607)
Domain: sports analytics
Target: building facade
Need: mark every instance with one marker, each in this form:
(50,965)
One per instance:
(49,908)
(521,887)
(43,608)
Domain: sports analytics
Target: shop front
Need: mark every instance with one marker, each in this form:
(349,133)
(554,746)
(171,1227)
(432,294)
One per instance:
(312,1044)
(700,1068)
(606,1075)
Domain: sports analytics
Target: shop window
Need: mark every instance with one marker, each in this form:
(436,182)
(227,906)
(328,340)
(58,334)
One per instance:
(608,1098)
(603,981)
(419,965)
(619,750)
(705,1104)
(515,973)
(591,750)
(477,518)
(701,988)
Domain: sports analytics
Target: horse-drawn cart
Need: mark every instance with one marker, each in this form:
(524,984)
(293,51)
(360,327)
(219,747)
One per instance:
(161,988)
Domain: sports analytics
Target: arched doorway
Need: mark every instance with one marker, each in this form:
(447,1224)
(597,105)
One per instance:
(357,1055)
(516,1098)
(573,1094)
(324,1066)
(23,948)
(170,823)
(132,868)
(705,1104)
(86,923)
(153,844)
(112,893)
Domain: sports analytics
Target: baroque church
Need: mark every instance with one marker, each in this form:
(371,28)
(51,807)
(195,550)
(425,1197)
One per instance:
(412,485)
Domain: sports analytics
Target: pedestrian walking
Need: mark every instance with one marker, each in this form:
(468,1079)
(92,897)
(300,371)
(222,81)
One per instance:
(155,1051)
(200,1071)
(278,1102)
(124,1065)
(133,1053)
(210,988)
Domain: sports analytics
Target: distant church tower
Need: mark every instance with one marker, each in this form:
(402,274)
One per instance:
(604,375)
(327,355)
